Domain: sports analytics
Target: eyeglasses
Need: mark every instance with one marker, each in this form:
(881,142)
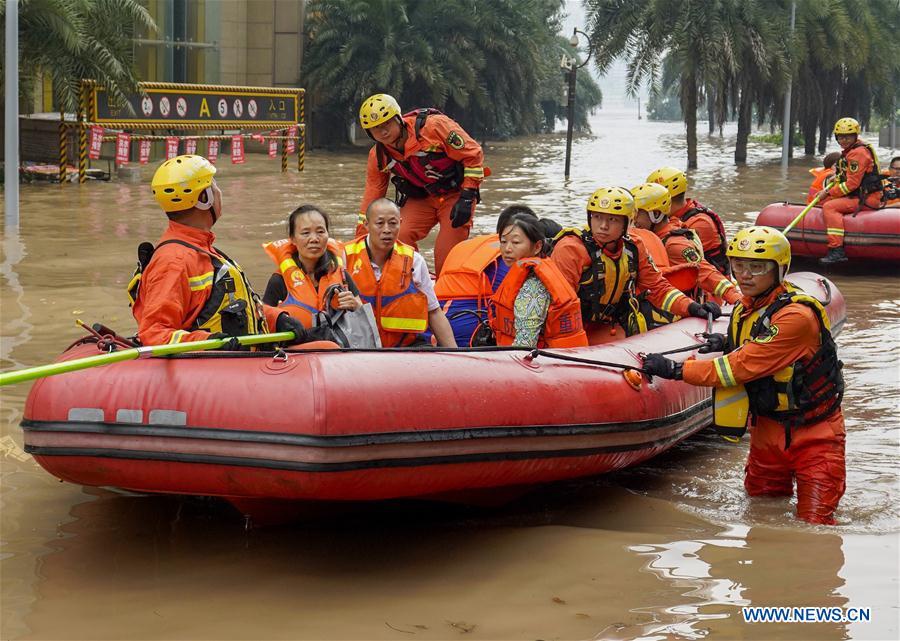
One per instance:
(751,266)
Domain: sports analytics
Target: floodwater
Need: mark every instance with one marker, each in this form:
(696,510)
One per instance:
(668,550)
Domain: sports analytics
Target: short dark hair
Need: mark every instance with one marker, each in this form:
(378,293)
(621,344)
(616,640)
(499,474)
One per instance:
(893,160)
(509,212)
(530,226)
(306,209)
(831,159)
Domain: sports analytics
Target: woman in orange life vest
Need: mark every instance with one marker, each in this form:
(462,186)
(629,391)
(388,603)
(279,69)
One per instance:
(472,273)
(309,263)
(534,306)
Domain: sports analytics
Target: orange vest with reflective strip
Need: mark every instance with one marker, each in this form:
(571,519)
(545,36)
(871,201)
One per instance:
(820,175)
(400,308)
(462,275)
(303,301)
(563,327)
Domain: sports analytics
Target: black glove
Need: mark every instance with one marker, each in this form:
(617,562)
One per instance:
(702,311)
(231,345)
(287,323)
(658,365)
(464,208)
(714,343)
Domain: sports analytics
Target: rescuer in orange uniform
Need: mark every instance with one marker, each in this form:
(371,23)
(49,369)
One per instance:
(605,266)
(436,166)
(822,174)
(857,184)
(394,279)
(187,290)
(653,203)
(694,216)
(780,349)
(534,306)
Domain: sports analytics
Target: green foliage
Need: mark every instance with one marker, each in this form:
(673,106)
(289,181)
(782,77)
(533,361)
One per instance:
(485,62)
(73,39)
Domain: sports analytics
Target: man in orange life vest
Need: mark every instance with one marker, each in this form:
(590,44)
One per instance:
(781,361)
(694,216)
(605,266)
(394,279)
(822,174)
(437,169)
(188,290)
(653,203)
(892,184)
(857,184)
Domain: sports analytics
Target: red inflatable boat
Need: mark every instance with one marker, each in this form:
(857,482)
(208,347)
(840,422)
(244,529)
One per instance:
(873,234)
(365,425)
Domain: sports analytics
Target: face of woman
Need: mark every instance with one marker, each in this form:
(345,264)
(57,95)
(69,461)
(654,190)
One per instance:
(310,235)
(515,245)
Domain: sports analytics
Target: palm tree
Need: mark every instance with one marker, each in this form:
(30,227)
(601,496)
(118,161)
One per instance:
(68,40)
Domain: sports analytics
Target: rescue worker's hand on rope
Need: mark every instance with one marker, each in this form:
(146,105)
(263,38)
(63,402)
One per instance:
(659,365)
(464,208)
(702,311)
(714,343)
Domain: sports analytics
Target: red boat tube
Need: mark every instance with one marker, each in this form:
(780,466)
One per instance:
(872,234)
(365,425)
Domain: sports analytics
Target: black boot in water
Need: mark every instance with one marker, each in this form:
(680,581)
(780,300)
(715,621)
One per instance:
(834,255)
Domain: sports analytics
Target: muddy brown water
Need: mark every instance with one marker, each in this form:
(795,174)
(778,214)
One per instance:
(670,549)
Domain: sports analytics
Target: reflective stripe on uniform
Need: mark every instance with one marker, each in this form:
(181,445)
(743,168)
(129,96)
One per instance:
(722,287)
(723,371)
(473,172)
(404,324)
(177,335)
(670,299)
(834,231)
(201,282)
(844,188)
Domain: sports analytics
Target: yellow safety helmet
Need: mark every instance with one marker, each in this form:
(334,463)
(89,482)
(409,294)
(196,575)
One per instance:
(846,126)
(672,179)
(178,183)
(377,109)
(654,199)
(762,243)
(617,201)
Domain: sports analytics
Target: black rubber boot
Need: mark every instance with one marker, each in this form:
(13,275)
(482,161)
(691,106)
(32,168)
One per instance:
(835,255)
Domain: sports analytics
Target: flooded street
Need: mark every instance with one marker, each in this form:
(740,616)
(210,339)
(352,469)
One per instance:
(670,549)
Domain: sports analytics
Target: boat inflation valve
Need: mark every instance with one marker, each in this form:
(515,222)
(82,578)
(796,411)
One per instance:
(633,378)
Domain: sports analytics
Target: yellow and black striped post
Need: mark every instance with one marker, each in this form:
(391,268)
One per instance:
(284,153)
(301,143)
(63,148)
(82,135)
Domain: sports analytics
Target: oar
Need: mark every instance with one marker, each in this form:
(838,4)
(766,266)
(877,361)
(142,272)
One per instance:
(803,213)
(42,371)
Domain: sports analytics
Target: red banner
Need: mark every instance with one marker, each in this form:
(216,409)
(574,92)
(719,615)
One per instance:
(190,146)
(123,147)
(96,142)
(212,151)
(237,149)
(144,152)
(171,147)
(291,142)
(273,145)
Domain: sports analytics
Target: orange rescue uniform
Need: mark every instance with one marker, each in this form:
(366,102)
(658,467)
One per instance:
(843,196)
(816,453)
(702,225)
(438,135)
(176,286)
(681,250)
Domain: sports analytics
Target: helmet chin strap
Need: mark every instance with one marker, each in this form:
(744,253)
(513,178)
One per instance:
(656,217)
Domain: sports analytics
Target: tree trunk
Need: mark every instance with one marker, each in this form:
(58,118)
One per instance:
(743,132)
(809,134)
(690,118)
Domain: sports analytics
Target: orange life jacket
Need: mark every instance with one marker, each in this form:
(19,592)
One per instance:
(820,175)
(304,301)
(400,308)
(563,327)
(462,275)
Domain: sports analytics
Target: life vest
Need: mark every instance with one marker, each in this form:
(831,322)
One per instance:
(606,287)
(803,392)
(871,180)
(715,256)
(400,308)
(426,173)
(821,174)
(232,306)
(463,274)
(304,301)
(562,328)
(654,246)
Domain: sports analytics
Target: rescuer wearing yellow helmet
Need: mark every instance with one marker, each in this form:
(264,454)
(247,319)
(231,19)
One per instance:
(702,220)
(780,365)
(185,289)
(435,165)
(856,184)
(606,266)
